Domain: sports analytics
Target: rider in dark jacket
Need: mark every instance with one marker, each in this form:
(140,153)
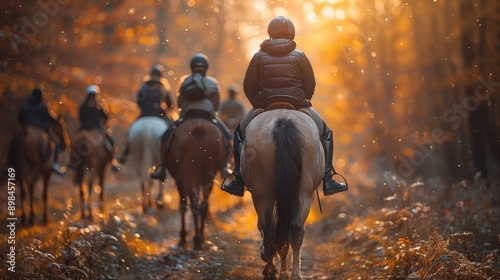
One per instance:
(209,105)
(154,93)
(279,70)
(232,110)
(153,97)
(34,112)
(94,115)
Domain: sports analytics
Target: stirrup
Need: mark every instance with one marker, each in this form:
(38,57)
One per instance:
(159,173)
(58,169)
(335,188)
(225,172)
(115,166)
(122,158)
(229,186)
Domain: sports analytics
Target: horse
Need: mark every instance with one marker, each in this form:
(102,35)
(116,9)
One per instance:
(196,154)
(90,156)
(282,163)
(34,150)
(144,146)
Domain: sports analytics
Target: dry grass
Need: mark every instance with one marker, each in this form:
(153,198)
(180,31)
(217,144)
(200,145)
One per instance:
(420,230)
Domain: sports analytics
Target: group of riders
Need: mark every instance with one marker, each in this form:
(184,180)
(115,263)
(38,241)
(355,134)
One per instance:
(278,71)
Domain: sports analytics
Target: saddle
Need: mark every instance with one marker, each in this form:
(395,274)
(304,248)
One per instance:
(198,113)
(281,102)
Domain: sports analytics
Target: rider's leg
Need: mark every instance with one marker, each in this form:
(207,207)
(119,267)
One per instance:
(123,157)
(160,173)
(57,146)
(227,139)
(330,185)
(237,186)
(113,149)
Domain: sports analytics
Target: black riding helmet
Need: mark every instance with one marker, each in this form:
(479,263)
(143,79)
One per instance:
(281,27)
(157,70)
(199,63)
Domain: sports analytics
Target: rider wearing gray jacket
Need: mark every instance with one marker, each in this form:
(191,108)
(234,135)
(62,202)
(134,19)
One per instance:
(206,107)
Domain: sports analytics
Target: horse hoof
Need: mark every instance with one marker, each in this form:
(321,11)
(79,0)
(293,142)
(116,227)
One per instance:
(198,246)
(182,243)
(284,276)
(148,211)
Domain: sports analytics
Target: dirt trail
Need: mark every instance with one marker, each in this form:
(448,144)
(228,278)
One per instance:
(232,247)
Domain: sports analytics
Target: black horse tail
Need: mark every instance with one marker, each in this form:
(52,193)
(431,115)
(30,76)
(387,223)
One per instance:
(289,146)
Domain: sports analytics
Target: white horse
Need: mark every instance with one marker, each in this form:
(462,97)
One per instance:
(144,151)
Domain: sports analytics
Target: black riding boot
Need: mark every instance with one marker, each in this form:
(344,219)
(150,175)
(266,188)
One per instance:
(115,165)
(237,186)
(56,167)
(160,173)
(224,171)
(330,185)
(123,157)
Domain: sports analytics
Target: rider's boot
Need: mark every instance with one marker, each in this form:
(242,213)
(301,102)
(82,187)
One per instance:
(237,186)
(225,171)
(123,157)
(115,165)
(330,185)
(160,173)
(56,167)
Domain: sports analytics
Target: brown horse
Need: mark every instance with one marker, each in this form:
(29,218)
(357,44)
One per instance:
(282,163)
(90,157)
(34,150)
(195,155)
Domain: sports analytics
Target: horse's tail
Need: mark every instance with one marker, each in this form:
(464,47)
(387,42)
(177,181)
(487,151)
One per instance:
(289,145)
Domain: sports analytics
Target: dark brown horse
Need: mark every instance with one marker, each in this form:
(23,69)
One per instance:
(90,156)
(195,156)
(35,154)
(282,163)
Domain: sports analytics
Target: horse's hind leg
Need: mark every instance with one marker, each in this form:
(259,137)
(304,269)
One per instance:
(270,271)
(159,200)
(23,201)
(101,194)
(89,198)
(82,199)
(144,198)
(31,189)
(198,221)
(183,210)
(283,252)
(149,193)
(297,233)
(46,178)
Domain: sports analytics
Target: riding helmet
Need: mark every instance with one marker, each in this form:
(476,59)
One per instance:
(199,62)
(233,90)
(93,89)
(281,27)
(157,70)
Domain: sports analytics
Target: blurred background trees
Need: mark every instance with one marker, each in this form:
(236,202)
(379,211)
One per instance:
(408,86)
